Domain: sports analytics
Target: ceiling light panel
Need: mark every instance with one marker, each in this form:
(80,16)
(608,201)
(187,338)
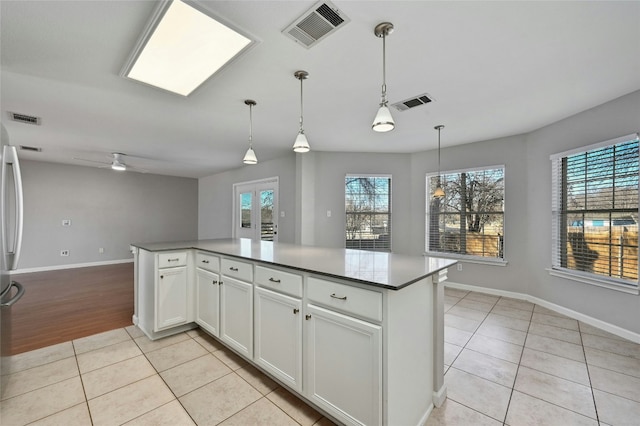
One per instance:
(182,47)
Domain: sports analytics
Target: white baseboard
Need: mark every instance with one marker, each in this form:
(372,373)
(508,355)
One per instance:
(71,266)
(611,328)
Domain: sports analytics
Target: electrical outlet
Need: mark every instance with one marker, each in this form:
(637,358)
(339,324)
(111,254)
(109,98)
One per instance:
(459,266)
(64,252)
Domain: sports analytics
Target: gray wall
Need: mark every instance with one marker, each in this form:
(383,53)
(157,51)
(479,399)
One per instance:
(107,209)
(330,169)
(319,186)
(619,117)
(215,195)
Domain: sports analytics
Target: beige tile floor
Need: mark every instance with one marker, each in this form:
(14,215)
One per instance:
(507,362)
(512,362)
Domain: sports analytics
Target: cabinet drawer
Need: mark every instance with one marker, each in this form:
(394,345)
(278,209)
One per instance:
(234,268)
(348,299)
(207,261)
(282,281)
(169,260)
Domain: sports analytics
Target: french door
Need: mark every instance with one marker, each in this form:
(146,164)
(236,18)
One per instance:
(255,210)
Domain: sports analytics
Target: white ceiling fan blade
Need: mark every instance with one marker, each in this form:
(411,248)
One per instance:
(91,161)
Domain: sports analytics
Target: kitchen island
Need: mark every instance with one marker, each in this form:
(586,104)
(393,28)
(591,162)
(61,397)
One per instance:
(358,334)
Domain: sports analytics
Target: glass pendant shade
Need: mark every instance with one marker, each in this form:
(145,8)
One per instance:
(383,121)
(250,157)
(301,144)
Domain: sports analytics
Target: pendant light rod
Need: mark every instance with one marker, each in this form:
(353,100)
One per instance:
(301,143)
(439,192)
(301,75)
(382,30)
(251,104)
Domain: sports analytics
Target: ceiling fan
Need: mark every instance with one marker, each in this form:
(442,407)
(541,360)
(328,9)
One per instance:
(117,163)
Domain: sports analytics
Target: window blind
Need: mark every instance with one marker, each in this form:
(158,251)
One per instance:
(595,210)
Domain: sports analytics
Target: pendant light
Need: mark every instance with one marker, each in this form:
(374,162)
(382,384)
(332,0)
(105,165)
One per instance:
(301,144)
(250,156)
(383,121)
(439,192)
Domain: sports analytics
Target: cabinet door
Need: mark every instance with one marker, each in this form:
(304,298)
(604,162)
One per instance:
(278,336)
(236,315)
(208,301)
(344,366)
(171,298)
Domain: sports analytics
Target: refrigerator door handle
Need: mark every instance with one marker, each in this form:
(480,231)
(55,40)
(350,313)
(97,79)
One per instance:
(15,298)
(10,157)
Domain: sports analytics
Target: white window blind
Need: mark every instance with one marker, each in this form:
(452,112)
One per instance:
(595,211)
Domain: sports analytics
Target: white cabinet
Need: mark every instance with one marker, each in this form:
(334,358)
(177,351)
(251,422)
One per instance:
(208,292)
(172,295)
(278,336)
(343,372)
(208,301)
(236,306)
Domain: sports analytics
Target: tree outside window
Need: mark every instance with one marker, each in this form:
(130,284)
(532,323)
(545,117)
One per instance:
(469,219)
(368,212)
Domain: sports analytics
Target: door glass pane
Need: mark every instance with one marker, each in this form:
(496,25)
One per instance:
(245,209)
(266,215)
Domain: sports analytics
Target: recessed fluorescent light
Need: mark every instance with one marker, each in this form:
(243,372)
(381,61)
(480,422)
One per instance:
(182,47)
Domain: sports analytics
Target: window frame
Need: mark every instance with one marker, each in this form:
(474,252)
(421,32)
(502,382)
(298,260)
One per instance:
(485,260)
(557,222)
(389,211)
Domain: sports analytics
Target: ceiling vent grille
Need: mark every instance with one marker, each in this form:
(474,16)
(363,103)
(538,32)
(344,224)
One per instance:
(413,102)
(316,24)
(23,118)
(30,148)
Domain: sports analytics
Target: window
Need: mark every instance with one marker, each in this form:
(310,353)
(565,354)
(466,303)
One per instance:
(468,221)
(595,212)
(368,211)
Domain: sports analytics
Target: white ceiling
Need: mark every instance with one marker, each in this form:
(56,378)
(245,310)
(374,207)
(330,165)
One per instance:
(494,68)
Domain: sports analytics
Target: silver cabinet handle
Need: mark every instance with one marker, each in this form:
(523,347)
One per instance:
(333,295)
(307,317)
(205,261)
(274,280)
(295,310)
(231,268)
(173,260)
(220,283)
(214,282)
(18,295)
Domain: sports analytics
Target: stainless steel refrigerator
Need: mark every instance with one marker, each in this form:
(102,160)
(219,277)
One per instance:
(11,213)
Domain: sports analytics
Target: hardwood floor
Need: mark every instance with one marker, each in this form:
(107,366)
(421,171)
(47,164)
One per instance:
(59,306)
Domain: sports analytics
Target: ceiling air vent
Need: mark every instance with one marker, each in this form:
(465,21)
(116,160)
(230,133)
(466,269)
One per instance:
(413,102)
(316,24)
(30,148)
(23,118)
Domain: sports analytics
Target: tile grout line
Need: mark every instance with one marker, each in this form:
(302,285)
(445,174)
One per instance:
(586,363)
(515,378)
